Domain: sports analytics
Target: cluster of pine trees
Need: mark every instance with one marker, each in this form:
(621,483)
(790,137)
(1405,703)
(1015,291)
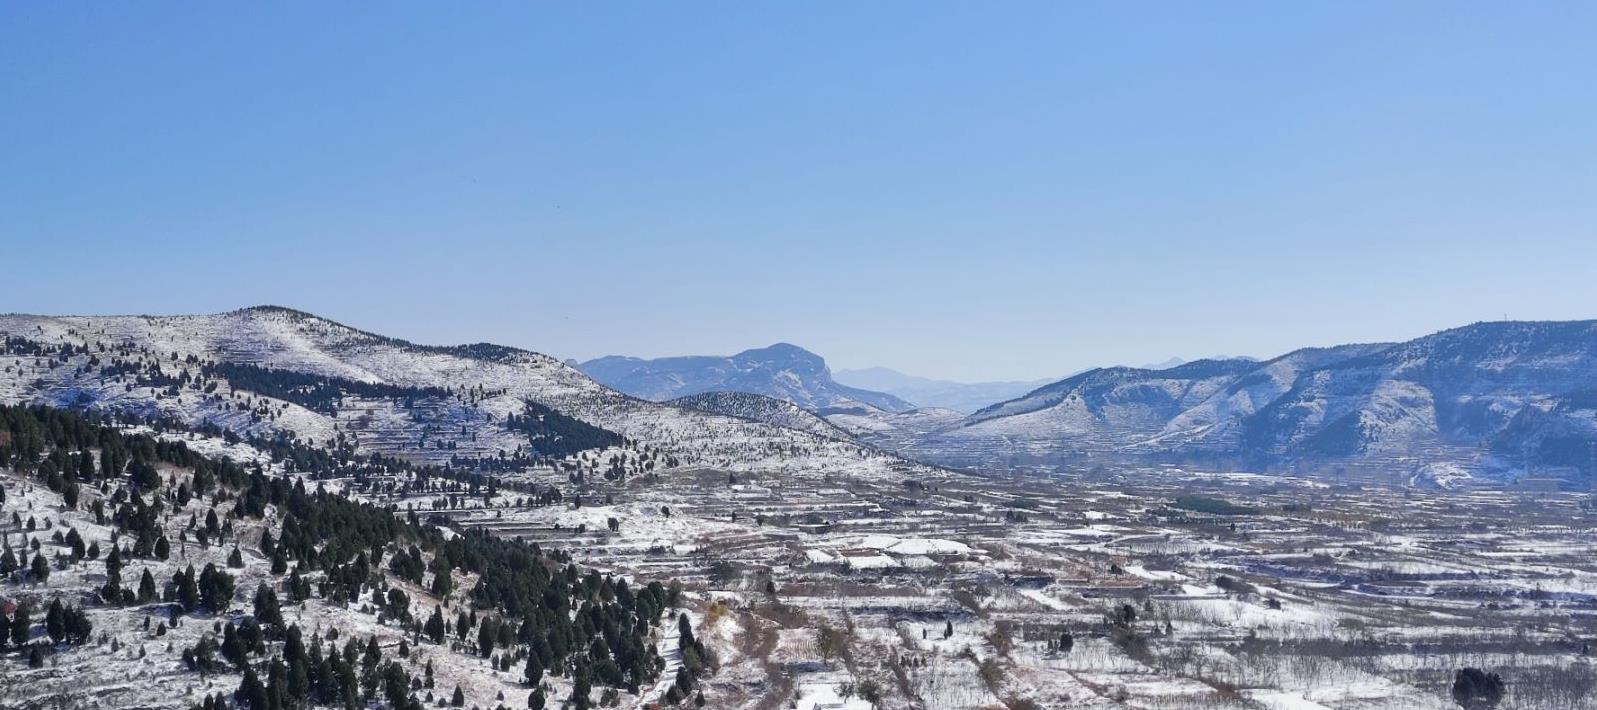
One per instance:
(554,435)
(298,673)
(62,624)
(527,606)
(551,434)
(317,393)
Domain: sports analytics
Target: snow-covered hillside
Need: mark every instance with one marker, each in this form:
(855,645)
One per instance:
(761,408)
(139,363)
(1489,396)
(896,431)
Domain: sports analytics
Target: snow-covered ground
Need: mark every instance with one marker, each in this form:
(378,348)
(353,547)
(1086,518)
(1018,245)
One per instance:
(299,342)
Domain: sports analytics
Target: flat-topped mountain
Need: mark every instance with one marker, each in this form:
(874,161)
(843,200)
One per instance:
(781,371)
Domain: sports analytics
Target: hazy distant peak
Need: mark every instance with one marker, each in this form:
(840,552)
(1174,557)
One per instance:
(1172,362)
(787,355)
(781,350)
(782,370)
(1177,361)
(927,392)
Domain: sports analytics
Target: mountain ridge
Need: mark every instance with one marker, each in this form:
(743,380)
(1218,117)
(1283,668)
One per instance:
(1446,397)
(1493,397)
(152,365)
(931,392)
(782,370)
(758,407)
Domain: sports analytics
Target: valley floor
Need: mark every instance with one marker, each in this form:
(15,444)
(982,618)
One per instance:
(1176,589)
(1140,589)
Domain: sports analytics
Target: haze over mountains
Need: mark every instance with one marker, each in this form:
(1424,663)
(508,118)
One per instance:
(1491,397)
(965,397)
(511,450)
(791,373)
(782,371)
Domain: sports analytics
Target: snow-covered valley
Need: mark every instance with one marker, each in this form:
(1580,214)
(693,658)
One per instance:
(797,563)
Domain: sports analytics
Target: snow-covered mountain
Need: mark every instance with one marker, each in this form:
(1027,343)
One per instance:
(896,431)
(761,408)
(267,370)
(1498,395)
(782,371)
(965,397)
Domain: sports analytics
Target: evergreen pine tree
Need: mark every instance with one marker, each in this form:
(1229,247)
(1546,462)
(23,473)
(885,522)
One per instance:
(55,623)
(21,624)
(277,685)
(76,546)
(435,627)
(112,591)
(146,587)
(233,648)
(251,694)
(40,568)
(534,673)
(186,592)
(267,609)
(684,631)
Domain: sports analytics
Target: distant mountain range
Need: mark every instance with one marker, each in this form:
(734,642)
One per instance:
(963,397)
(790,373)
(945,394)
(1496,396)
(782,371)
(1490,398)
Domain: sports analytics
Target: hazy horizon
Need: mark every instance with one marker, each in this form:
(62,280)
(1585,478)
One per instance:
(1008,192)
(835,367)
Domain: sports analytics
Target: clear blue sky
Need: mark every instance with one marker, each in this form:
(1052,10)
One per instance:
(966,190)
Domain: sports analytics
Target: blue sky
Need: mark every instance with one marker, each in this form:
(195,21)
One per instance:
(965,190)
